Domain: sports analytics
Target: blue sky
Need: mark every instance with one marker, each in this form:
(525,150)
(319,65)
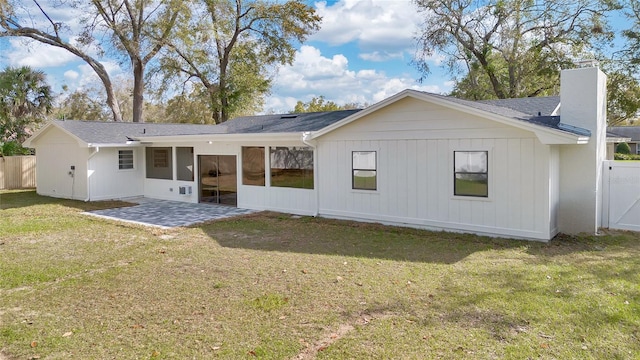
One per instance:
(362,54)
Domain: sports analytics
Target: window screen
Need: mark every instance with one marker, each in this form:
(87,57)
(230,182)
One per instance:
(253,172)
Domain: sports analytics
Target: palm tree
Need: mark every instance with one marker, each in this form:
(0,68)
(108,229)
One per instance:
(25,100)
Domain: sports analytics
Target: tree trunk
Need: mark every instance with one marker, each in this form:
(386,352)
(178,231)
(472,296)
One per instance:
(213,101)
(138,90)
(112,102)
(224,100)
(102,73)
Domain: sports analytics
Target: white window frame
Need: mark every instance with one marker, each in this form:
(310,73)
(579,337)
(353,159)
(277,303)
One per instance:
(376,170)
(133,160)
(490,173)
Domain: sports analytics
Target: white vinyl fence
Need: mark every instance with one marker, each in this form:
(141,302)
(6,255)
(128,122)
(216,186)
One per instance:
(621,195)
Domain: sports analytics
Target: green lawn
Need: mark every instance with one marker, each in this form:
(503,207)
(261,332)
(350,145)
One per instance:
(276,287)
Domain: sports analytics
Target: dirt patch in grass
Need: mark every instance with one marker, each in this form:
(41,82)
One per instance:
(276,287)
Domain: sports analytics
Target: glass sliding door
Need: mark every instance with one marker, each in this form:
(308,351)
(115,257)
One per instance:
(218,179)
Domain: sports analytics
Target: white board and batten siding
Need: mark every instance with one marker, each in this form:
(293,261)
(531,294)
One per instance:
(621,195)
(107,181)
(286,200)
(414,142)
(57,152)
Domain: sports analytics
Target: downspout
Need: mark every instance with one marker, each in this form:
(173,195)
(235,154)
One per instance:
(316,184)
(95,151)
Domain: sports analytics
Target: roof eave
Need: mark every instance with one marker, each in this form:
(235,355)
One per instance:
(133,143)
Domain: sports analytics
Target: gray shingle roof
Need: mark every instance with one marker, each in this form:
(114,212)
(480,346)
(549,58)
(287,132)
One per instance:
(100,132)
(532,110)
(535,106)
(285,123)
(538,111)
(632,132)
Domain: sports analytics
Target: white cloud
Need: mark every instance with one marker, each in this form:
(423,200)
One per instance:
(380,56)
(312,74)
(71,75)
(37,55)
(370,23)
(88,77)
(58,12)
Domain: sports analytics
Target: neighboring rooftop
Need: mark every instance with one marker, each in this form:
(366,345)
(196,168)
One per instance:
(632,132)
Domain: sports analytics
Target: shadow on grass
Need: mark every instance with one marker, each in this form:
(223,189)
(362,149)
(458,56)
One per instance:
(278,232)
(268,231)
(13,199)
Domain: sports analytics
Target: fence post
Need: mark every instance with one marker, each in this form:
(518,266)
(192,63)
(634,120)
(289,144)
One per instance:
(606,176)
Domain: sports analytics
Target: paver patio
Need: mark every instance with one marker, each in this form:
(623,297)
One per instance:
(168,214)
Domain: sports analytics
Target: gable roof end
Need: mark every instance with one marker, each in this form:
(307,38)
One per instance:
(54,123)
(546,128)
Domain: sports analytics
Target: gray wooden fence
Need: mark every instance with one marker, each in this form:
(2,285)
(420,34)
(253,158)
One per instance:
(17,172)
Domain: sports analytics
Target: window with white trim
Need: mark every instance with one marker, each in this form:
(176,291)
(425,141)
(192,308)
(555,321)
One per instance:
(364,170)
(125,159)
(471,173)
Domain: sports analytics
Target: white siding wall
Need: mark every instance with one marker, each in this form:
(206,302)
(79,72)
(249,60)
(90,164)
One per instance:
(415,142)
(554,188)
(106,181)
(583,93)
(56,152)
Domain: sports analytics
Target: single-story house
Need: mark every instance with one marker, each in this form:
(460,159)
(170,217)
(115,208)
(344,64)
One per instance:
(524,168)
(628,134)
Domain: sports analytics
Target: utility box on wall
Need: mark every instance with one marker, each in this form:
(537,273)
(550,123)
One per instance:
(185,190)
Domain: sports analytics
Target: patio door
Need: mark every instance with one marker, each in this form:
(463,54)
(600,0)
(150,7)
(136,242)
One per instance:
(218,179)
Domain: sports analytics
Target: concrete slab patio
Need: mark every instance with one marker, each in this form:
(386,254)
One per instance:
(168,214)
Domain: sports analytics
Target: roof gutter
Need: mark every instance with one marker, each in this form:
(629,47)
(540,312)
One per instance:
(291,136)
(128,143)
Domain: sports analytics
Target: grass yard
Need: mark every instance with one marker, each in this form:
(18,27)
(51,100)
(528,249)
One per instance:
(275,287)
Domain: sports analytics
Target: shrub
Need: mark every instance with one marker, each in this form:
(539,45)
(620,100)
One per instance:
(619,156)
(623,148)
(11,148)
